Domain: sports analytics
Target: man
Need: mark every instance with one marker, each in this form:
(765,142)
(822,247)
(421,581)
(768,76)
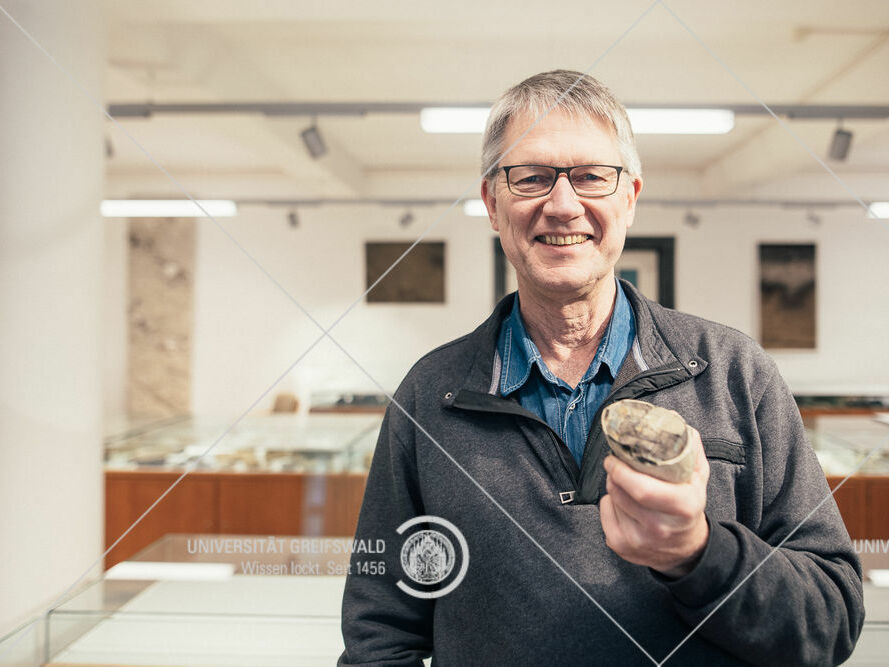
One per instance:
(575,557)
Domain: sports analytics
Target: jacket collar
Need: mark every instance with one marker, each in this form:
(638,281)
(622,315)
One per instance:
(658,340)
(519,354)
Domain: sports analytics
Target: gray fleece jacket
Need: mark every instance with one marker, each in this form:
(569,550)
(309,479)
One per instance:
(799,604)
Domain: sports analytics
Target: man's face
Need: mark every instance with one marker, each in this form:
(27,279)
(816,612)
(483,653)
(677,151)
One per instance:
(523,223)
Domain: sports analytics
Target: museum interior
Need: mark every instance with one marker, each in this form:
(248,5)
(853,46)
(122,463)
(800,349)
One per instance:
(229,230)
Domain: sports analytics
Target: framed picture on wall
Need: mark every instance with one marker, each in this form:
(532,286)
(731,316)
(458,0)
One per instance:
(787,304)
(648,263)
(418,278)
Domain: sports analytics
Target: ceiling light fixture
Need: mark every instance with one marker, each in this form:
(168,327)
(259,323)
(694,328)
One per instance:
(463,120)
(878,209)
(692,219)
(475,208)
(840,144)
(681,121)
(454,120)
(168,208)
(313,141)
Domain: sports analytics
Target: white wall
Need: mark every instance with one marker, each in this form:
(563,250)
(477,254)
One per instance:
(717,278)
(247,332)
(51,521)
(114,331)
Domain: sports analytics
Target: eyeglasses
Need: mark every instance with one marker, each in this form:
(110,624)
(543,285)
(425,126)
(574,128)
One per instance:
(588,180)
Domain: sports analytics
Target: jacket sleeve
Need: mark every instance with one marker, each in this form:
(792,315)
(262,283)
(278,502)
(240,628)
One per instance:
(381,624)
(800,603)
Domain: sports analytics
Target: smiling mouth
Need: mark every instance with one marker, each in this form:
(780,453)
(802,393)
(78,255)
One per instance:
(572,239)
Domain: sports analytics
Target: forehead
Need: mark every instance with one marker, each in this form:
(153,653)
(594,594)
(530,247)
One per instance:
(560,139)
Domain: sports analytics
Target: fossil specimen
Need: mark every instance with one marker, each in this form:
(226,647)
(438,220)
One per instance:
(650,439)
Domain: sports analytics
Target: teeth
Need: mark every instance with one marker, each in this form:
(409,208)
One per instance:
(565,240)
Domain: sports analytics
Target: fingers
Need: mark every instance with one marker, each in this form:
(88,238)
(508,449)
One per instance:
(620,530)
(648,518)
(651,522)
(702,466)
(656,494)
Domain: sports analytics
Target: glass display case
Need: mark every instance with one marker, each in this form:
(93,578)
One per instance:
(851,444)
(204,608)
(333,442)
(340,440)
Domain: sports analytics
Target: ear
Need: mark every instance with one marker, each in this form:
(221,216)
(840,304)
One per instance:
(490,203)
(633,190)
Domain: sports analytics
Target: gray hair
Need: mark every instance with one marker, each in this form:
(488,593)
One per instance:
(573,92)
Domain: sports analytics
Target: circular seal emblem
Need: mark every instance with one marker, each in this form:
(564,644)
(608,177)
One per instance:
(430,558)
(427,557)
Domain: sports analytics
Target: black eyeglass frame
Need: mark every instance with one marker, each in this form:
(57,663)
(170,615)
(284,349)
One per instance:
(567,172)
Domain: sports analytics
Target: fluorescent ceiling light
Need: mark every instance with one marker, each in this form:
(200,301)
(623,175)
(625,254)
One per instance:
(168,208)
(681,121)
(879,209)
(475,208)
(454,120)
(645,121)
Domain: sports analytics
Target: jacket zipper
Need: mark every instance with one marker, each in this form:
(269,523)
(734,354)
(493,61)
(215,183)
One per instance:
(561,448)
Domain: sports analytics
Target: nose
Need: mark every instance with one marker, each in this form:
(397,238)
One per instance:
(562,202)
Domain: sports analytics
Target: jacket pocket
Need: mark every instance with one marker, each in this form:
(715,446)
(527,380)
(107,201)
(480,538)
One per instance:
(725,450)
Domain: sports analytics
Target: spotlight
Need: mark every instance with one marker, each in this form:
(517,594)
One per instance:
(292,219)
(813,218)
(692,219)
(840,144)
(406,220)
(314,142)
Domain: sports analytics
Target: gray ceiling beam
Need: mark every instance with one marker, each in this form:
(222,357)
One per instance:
(148,109)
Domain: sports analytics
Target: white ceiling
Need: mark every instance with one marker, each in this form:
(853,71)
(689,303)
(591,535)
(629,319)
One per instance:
(787,52)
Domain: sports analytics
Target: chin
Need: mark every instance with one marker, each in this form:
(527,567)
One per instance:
(568,281)
(563,284)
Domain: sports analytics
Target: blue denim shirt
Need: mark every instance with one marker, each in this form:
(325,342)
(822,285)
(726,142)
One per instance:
(569,412)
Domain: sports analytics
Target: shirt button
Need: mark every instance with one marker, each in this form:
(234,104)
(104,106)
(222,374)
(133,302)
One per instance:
(571,407)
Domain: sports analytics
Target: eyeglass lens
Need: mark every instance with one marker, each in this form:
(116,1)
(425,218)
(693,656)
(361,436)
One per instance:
(587,180)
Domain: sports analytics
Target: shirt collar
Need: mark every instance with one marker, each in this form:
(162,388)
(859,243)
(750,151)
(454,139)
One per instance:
(519,354)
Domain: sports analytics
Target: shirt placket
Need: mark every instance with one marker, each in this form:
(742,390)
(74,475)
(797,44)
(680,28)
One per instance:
(574,419)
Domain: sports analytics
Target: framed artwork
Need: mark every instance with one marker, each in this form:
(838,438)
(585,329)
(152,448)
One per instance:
(418,278)
(640,267)
(787,303)
(504,272)
(648,262)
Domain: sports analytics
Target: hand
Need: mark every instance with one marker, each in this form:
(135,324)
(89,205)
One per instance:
(651,522)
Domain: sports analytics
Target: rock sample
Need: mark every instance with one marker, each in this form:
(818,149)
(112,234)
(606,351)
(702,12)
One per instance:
(649,439)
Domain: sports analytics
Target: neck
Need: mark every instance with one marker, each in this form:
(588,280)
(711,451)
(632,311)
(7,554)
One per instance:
(565,325)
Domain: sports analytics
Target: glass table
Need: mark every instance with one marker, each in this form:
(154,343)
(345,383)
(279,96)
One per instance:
(206,609)
(191,600)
